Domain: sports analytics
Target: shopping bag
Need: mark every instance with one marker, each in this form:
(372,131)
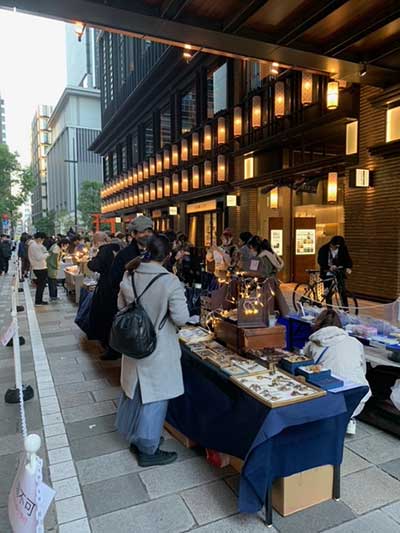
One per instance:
(82,319)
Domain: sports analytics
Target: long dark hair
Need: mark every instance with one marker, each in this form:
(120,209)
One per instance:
(259,244)
(328,317)
(158,249)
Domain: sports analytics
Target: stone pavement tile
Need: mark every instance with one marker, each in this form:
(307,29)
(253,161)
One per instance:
(5,526)
(233,482)
(393,511)
(78,526)
(113,494)
(352,462)
(94,373)
(210,502)
(54,429)
(56,341)
(392,468)
(318,518)
(90,427)
(73,400)
(59,455)
(180,476)
(107,466)
(369,489)
(111,393)
(8,468)
(375,522)
(66,488)
(70,509)
(377,448)
(49,420)
(98,445)
(239,523)
(10,444)
(167,515)
(62,471)
(82,412)
(63,350)
(57,441)
(85,386)
(68,377)
(172,445)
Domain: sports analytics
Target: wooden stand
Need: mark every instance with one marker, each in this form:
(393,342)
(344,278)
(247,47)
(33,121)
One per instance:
(188,443)
(242,339)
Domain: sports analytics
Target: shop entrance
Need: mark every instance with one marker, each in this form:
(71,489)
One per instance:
(205,224)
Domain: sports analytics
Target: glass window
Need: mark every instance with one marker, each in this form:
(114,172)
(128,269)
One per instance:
(165,126)
(393,124)
(217,92)
(148,138)
(135,148)
(188,110)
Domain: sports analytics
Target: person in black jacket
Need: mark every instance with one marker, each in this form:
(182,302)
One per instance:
(334,260)
(5,252)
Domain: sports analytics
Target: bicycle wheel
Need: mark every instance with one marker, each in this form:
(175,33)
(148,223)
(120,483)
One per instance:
(352,303)
(303,293)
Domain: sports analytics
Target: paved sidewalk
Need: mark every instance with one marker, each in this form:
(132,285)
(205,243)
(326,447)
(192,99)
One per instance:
(102,489)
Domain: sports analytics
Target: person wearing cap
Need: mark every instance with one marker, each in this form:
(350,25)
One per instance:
(219,258)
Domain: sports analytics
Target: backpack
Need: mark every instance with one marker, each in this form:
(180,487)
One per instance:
(133,333)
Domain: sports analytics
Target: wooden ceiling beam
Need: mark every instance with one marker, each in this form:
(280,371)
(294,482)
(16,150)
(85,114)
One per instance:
(171,9)
(240,17)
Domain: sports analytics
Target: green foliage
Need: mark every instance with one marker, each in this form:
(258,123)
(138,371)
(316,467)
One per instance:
(89,202)
(63,221)
(46,224)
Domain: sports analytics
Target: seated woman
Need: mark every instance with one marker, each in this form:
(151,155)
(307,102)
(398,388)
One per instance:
(332,347)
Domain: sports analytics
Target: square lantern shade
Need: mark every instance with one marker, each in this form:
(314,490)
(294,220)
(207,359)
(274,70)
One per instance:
(332,187)
(145,170)
(135,175)
(152,191)
(160,189)
(207,172)
(231,200)
(237,121)
(141,195)
(332,95)
(140,173)
(126,180)
(221,168)
(167,186)
(159,163)
(175,183)
(130,178)
(135,196)
(279,101)
(131,199)
(195,177)
(167,160)
(126,200)
(256,111)
(173,210)
(207,138)
(274,198)
(184,150)
(152,166)
(195,144)
(175,155)
(146,194)
(185,181)
(306,88)
(221,131)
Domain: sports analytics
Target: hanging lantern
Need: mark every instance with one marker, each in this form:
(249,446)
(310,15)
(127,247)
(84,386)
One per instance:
(135,175)
(126,180)
(141,197)
(140,172)
(256,111)
(332,95)
(221,131)
(207,172)
(175,155)
(274,68)
(306,88)
(332,187)
(221,170)
(195,144)
(185,181)
(130,178)
(131,199)
(237,121)
(167,186)
(207,138)
(126,200)
(145,170)
(175,183)
(152,166)
(274,198)
(152,192)
(195,177)
(184,150)
(279,99)
(146,194)
(135,196)
(159,163)
(167,161)
(160,190)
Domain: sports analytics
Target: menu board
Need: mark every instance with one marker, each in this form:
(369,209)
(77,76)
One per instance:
(305,241)
(277,241)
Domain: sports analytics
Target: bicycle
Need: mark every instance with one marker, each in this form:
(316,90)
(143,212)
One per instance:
(318,291)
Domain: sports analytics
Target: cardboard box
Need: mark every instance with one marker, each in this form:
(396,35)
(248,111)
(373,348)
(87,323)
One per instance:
(188,443)
(303,490)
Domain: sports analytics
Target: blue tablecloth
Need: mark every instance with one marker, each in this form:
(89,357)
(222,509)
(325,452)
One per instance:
(297,331)
(274,443)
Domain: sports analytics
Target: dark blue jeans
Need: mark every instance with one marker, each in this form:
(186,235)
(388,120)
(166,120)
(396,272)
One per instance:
(52,288)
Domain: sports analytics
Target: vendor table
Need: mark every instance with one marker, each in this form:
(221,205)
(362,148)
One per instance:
(73,283)
(273,443)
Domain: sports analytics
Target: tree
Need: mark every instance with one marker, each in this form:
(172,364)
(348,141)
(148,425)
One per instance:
(63,220)
(89,201)
(47,224)
(16,183)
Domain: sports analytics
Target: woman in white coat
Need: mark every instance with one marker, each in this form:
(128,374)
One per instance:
(333,348)
(149,383)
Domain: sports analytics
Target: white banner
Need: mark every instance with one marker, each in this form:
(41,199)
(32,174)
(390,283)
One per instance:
(7,332)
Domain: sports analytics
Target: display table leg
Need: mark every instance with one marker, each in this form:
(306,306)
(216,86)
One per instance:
(336,482)
(268,507)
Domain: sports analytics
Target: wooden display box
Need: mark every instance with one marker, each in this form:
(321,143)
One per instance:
(243,339)
(303,490)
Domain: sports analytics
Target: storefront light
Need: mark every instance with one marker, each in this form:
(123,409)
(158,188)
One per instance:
(352,137)
(167,160)
(195,144)
(175,155)
(248,167)
(207,138)
(221,132)
(160,190)
(152,166)
(172,210)
(231,200)
(185,181)
(256,111)
(332,187)
(274,68)
(207,173)
(152,192)
(279,101)
(274,198)
(140,173)
(175,183)
(167,186)
(195,177)
(332,95)
(221,168)
(306,88)
(237,121)
(159,163)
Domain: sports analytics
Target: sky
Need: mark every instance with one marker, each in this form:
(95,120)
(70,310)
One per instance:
(32,72)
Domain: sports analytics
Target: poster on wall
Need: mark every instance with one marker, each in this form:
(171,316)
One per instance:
(277,241)
(305,241)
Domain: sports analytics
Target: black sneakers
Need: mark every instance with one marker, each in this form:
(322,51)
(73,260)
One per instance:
(133,448)
(159,458)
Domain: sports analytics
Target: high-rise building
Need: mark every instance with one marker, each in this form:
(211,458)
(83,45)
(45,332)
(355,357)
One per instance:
(40,143)
(3,139)
(75,123)
(82,58)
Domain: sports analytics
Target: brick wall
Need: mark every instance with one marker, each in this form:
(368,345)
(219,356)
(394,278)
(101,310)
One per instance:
(372,216)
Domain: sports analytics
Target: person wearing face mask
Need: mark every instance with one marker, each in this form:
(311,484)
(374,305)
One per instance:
(334,259)
(220,258)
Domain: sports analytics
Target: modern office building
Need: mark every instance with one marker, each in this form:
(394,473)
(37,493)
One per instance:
(75,124)
(82,58)
(40,143)
(3,138)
